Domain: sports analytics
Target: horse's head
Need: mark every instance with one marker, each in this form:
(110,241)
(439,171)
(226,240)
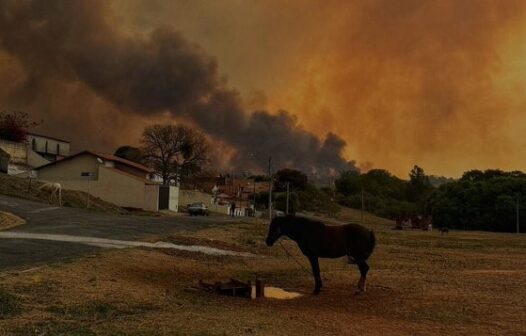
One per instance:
(274,231)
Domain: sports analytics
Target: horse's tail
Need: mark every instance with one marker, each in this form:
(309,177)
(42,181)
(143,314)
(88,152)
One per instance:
(372,244)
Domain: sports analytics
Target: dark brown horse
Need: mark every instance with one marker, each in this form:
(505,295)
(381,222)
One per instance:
(317,240)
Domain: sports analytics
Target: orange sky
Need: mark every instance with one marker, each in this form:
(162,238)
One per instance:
(434,83)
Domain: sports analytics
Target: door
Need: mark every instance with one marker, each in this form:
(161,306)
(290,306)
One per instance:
(164,197)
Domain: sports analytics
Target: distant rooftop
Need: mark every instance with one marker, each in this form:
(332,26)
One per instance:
(48,137)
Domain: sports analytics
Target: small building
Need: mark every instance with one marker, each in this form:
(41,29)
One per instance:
(111,178)
(37,150)
(242,188)
(50,148)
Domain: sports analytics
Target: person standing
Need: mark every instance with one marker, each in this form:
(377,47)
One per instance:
(232,209)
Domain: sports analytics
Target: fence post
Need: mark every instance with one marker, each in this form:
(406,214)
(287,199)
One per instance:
(363,207)
(270,188)
(517,214)
(287,206)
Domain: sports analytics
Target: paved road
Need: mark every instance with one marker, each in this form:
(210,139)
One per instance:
(43,218)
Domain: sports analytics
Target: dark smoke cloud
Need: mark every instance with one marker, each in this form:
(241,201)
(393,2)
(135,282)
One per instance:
(80,42)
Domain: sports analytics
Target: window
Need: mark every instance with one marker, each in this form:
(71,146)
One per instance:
(34,144)
(46,146)
(58,149)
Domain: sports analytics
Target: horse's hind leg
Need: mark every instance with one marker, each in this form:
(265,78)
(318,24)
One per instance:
(316,273)
(364,268)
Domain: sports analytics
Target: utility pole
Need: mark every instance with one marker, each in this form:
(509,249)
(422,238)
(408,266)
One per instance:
(87,203)
(517,214)
(288,190)
(269,188)
(363,207)
(254,182)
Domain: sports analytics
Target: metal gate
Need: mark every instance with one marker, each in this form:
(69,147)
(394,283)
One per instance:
(164,197)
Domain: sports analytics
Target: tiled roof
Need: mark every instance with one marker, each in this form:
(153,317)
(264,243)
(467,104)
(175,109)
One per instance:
(106,157)
(48,137)
(114,158)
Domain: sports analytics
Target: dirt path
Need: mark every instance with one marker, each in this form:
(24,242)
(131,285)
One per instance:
(113,243)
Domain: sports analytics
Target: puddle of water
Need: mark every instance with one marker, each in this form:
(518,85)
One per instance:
(276,293)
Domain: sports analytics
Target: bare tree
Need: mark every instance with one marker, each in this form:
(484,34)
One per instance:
(174,150)
(15,125)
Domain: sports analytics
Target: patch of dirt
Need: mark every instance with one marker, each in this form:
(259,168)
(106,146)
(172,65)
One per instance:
(9,220)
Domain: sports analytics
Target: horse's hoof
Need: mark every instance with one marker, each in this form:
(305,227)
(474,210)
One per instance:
(359,292)
(316,291)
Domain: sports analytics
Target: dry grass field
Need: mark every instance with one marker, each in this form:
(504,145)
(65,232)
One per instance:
(421,283)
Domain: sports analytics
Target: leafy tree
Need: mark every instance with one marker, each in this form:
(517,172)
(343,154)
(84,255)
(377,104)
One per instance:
(130,153)
(473,175)
(419,184)
(14,126)
(383,193)
(280,202)
(174,151)
(348,183)
(437,181)
(315,200)
(480,200)
(260,178)
(296,179)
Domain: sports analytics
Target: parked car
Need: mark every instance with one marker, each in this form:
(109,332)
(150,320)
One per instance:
(196,209)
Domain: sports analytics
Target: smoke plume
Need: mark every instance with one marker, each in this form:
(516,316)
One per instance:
(75,64)
(439,83)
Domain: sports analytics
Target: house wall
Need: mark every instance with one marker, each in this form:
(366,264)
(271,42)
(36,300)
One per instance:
(107,183)
(17,151)
(151,197)
(126,191)
(110,185)
(70,170)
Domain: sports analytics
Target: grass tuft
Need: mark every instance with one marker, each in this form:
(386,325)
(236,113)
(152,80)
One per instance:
(9,305)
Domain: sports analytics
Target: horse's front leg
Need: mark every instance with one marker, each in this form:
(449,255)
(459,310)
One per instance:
(316,273)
